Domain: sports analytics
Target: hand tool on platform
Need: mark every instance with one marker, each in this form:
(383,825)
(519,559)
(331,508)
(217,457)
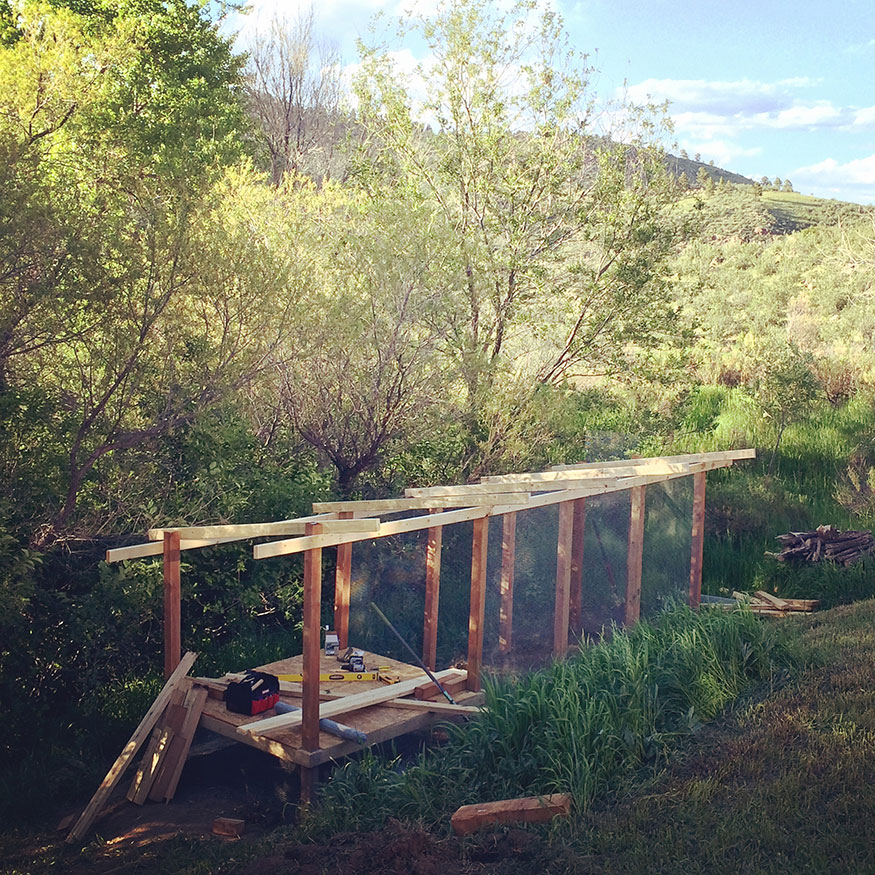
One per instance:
(413,653)
(326,725)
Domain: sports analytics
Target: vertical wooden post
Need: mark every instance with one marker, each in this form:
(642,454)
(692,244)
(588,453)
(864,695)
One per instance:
(508,560)
(172,607)
(312,628)
(478,601)
(575,609)
(341,588)
(698,539)
(309,778)
(563,580)
(635,556)
(432,593)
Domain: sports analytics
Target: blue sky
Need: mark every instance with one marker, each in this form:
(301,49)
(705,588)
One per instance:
(761,88)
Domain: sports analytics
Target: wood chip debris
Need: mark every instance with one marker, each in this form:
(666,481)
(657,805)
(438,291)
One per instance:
(825,543)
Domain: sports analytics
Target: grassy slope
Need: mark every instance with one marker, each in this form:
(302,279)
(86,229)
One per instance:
(784,782)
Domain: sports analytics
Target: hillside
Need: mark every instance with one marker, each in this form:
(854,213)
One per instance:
(690,169)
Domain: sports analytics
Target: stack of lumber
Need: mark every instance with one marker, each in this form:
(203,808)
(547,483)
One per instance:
(825,542)
(171,720)
(762,602)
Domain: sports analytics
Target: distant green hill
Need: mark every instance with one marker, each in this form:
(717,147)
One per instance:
(690,169)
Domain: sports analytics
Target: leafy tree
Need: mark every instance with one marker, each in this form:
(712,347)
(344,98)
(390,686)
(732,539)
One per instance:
(554,234)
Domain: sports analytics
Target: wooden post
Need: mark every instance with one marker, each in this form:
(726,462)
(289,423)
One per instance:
(309,779)
(312,628)
(508,559)
(172,607)
(478,601)
(563,580)
(575,609)
(698,539)
(342,578)
(432,593)
(635,556)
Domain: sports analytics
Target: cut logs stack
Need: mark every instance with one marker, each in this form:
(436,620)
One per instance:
(825,543)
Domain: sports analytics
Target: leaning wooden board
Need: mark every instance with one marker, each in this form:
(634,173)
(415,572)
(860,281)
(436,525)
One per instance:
(114,775)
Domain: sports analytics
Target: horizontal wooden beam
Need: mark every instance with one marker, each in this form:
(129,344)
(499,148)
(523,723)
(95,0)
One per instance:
(470,490)
(389,505)
(549,477)
(721,456)
(156,548)
(264,530)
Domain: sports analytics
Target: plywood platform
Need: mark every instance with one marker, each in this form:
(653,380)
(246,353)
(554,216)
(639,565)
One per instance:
(378,722)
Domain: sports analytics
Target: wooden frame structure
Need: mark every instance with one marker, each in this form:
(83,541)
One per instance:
(340,524)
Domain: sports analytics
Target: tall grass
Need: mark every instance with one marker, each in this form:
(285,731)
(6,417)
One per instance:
(574,727)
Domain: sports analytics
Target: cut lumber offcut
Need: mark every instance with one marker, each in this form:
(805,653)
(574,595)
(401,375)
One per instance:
(532,809)
(774,601)
(114,775)
(452,685)
(231,827)
(344,705)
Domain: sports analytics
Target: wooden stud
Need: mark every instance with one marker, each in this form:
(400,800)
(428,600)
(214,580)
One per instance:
(720,456)
(309,781)
(172,606)
(478,601)
(342,581)
(635,557)
(395,505)
(563,580)
(312,628)
(432,593)
(508,562)
(575,610)
(698,543)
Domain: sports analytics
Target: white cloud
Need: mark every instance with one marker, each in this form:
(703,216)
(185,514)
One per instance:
(860,171)
(864,117)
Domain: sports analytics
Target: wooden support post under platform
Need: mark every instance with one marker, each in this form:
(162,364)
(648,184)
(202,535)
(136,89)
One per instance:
(432,593)
(698,539)
(342,579)
(575,608)
(172,604)
(635,556)
(478,601)
(563,580)
(312,628)
(508,560)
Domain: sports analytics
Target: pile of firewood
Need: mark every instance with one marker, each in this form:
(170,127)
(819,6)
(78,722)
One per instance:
(826,542)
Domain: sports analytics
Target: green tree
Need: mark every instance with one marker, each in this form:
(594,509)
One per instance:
(554,233)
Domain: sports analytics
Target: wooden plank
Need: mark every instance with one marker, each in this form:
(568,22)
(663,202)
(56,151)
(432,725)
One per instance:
(533,809)
(117,770)
(312,627)
(653,468)
(774,601)
(432,593)
(156,548)
(181,744)
(470,490)
(437,706)
(392,505)
(343,705)
(575,607)
(634,557)
(476,614)
(563,580)
(342,582)
(698,539)
(508,563)
(719,456)
(263,530)
(172,604)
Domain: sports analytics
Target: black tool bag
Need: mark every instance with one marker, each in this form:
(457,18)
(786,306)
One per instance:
(257,692)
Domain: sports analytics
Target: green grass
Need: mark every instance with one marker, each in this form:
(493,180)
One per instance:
(573,727)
